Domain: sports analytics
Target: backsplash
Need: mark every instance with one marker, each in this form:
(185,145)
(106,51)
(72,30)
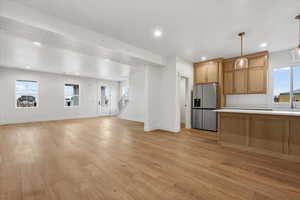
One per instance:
(247,101)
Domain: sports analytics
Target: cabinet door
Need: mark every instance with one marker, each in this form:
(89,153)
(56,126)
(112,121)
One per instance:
(228,82)
(268,132)
(240,81)
(200,74)
(294,140)
(228,66)
(256,80)
(259,61)
(233,128)
(212,72)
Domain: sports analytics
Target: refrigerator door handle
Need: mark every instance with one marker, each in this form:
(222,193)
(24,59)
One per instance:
(200,105)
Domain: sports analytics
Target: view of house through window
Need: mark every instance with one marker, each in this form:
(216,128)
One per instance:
(286,84)
(125,91)
(71,95)
(26,93)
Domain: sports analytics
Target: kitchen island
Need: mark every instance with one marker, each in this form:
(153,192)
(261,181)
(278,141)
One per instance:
(275,133)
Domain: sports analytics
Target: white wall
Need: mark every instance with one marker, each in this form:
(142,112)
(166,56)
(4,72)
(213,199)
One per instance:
(135,110)
(170,114)
(184,69)
(162,95)
(247,100)
(51,97)
(154,118)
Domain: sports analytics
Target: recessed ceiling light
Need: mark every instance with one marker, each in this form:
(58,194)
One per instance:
(264,44)
(37,43)
(203,58)
(157,33)
(27,67)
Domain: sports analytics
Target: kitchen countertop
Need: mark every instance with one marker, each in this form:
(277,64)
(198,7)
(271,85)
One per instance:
(259,111)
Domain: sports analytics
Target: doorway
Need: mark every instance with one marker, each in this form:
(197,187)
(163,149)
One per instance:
(104,100)
(184,102)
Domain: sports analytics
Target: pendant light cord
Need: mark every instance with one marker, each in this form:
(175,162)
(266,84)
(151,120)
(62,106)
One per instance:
(242,46)
(242,42)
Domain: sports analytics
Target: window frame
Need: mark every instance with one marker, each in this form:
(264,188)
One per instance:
(297,104)
(37,96)
(291,89)
(79,100)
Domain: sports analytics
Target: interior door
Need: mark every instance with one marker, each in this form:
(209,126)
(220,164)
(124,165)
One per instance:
(104,100)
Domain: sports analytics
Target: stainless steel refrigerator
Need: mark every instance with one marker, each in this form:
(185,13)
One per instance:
(204,102)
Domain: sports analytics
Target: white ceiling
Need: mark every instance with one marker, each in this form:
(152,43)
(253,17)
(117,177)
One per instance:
(60,54)
(192,28)
(21,53)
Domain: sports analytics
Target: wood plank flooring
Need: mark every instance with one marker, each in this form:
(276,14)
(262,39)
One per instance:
(112,159)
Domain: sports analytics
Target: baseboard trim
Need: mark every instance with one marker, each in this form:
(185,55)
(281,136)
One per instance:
(53,120)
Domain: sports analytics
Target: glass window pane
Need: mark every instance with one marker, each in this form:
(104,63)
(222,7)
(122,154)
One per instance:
(281,85)
(296,83)
(105,96)
(71,95)
(26,93)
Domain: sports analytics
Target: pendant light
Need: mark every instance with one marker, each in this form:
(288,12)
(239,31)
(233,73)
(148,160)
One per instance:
(296,51)
(241,62)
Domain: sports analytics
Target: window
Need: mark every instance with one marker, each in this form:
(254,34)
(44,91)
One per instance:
(71,95)
(281,85)
(26,93)
(286,84)
(296,83)
(125,91)
(105,96)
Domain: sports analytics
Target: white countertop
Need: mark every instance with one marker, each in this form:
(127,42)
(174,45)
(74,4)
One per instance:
(263,112)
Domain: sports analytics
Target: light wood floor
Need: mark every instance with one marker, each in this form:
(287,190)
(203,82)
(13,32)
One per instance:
(112,159)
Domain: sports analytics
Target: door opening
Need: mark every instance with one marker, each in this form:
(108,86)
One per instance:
(104,100)
(184,99)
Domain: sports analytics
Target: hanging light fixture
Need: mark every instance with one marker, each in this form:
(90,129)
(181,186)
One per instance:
(296,51)
(241,62)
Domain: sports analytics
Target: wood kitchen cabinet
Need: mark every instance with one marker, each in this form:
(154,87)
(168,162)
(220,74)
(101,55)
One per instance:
(228,77)
(240,81)
(206,72)
(228,82)
(200,74)
(275,135)
(294,141)
(252,80)
(212,72)
(257,75)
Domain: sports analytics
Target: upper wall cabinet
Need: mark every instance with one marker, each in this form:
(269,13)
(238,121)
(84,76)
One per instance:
(252,80)
(228,76)
(257,74)
(200,73)
(206,72)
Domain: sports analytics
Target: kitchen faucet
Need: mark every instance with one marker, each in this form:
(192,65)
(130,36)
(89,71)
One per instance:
(293,102)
